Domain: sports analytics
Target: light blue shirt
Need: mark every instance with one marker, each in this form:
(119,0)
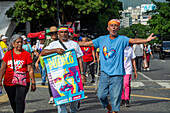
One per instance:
(112,54)
(25,47)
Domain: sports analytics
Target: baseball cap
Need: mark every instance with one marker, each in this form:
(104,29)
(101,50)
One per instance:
(4,37)
(114,21)
(41,37)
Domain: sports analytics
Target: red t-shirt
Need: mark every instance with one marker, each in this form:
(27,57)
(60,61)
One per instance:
(87,51)
(20,61)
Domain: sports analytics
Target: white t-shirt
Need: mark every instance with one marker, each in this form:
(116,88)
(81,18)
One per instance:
(128,56)
(39,46)
(69,44)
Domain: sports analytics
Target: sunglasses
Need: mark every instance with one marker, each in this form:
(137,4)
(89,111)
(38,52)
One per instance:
(63,31)
(53,33)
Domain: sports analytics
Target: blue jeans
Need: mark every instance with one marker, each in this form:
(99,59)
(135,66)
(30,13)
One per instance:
(111,85)
(43,73)
(73,108)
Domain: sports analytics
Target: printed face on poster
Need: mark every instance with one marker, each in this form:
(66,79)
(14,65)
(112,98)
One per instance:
(64,77)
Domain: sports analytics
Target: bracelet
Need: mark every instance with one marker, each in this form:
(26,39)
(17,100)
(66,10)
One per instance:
(33,84)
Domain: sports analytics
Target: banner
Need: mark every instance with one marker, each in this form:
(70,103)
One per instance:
(64,77)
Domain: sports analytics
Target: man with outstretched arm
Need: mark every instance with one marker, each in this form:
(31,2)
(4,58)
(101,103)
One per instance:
(112,64)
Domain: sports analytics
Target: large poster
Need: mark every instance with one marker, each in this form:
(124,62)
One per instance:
(64,77)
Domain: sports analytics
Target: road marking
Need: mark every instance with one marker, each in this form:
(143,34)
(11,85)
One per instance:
(161,98)
(167,75)
(145,76)
(3,99)
(162,61)
(166,85)
(26,110)
(137,84)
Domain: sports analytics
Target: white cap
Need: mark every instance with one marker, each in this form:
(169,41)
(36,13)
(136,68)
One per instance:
(24,37)
(4,37)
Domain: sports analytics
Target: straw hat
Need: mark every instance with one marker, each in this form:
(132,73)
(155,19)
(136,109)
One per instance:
(52,29)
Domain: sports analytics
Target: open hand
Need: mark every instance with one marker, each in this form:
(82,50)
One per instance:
(151,37)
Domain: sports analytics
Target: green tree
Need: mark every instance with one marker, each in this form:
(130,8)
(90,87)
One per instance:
(160,23)
(110,10)
(43,13)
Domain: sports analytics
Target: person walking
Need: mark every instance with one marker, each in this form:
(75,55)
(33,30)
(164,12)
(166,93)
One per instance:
(147,54)
(112,65)
(56,47)
(1,55)
(27,47)
(88,58)
(38,49)
(3,44)
(129,61)
(138,49)
(22,64)
(53,34)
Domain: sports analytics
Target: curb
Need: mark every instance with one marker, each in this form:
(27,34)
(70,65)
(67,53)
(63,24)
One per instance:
(37,75)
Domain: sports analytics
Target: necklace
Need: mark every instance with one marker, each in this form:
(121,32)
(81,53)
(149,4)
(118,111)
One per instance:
(17,52)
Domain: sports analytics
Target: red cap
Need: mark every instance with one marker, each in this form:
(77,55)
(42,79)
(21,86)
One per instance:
(41,37)
(70,30)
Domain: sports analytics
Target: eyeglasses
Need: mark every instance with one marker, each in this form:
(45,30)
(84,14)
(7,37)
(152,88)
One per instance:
(63,31)
(53,33)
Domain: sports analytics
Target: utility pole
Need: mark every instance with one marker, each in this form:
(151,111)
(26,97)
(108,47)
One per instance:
(58,13)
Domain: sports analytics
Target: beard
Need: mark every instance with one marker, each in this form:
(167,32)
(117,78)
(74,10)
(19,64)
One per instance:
(64,37)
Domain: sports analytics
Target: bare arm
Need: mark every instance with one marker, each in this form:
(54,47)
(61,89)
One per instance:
(2,72)
(134,67)
(97,56)
(81,69)
(137,41)
(94,58)
(86,44)
(47,52)
(151,54)
(31,73)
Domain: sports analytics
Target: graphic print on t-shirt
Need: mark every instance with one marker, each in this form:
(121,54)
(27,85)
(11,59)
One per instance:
(86,49)
(18,64)
(108,54)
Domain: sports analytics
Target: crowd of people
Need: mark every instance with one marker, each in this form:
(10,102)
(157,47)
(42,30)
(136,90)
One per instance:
(115,53)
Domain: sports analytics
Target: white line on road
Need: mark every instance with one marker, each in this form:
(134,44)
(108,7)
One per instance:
(162,61)
(145,76)
(166,85)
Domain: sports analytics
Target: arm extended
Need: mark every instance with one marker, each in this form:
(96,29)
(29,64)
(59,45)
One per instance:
(86,44)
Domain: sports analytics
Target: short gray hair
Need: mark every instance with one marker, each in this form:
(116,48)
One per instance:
(12,40)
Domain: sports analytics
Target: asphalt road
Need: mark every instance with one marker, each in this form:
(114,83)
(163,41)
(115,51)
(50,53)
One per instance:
(150,94)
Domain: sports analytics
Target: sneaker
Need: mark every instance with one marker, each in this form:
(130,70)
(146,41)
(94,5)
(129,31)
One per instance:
(78,106)
(127,104)
(92,81)
(51,101)
(144,69)
(122,102)
(148,69)
(43,84)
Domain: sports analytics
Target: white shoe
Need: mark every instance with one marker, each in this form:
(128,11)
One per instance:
(148,69)
(51,101)
(144,69)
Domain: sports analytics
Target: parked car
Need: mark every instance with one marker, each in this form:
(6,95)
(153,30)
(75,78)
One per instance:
(164,49)
(156,48)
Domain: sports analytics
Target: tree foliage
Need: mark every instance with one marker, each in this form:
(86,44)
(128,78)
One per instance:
(160,23)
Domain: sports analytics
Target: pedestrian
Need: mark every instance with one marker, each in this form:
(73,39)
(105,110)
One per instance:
(1,55)
(56,47)
(38,49)
(112,65)
(138,49)
(129,61)
(147,53)
(3,44)
(53,34)
(22,64)
(88,59)
(27,47)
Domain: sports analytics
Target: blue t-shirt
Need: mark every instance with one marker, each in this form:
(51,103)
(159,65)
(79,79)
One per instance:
(112,53)
(25,47)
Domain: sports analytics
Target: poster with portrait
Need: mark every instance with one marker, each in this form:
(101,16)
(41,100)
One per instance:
(64,77)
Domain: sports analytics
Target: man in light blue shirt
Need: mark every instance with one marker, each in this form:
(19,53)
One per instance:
(112,64)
